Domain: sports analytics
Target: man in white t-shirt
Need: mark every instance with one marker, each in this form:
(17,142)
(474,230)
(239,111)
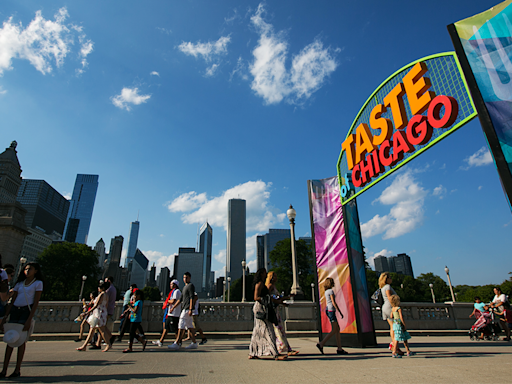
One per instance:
(172,316)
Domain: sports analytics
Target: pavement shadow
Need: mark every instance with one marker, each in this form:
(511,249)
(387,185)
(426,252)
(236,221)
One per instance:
(137,378)
(67,363)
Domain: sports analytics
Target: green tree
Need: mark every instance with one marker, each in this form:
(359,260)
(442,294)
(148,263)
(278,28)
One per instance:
(441,289)
(236,289)
(281,260)
(63,265)
(151,293)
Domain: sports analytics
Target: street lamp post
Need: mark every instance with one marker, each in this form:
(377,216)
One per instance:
(449,282)
(432,291)
(229,289)
(296,290)
(313,292)
(82,289)
(224,290)
(243,281)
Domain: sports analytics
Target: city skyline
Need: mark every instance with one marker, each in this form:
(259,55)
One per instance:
(146,101)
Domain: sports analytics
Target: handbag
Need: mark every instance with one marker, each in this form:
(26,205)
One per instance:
(262,314)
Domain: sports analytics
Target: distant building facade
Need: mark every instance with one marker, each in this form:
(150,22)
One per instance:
(236,238)
(400,263)
(81,208)
(12,214)
(189,260)
(114,258)
(219,286)
(132,241)
(151,282)
(164,280)
(266,243)
(205,248)
(138,269)
(100,250)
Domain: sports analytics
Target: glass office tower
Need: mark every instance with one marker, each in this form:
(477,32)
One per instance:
(132,242)
(80,210)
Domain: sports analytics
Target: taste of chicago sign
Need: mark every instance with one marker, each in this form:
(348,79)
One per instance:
(412,110)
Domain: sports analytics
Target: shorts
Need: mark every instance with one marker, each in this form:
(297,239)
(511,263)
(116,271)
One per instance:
(171,324)
(19,315)
(186,321)
(195,322)
(331,315)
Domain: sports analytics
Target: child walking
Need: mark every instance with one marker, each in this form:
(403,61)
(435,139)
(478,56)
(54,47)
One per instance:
(135,322)
(399,329)
(330,311)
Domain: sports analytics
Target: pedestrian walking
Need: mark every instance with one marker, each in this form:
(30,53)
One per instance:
(21,310)
(84,316)
(283,346)
(331,310)
(263,340)
(171,316)
(186,321)
(387,291)
(136,330)
(128,298)
(98,319)
(399,329)
(196,323)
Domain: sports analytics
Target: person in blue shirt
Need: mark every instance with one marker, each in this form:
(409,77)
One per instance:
(136,330)
(478,306)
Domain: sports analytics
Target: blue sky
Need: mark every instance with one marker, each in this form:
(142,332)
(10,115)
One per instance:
(179,106)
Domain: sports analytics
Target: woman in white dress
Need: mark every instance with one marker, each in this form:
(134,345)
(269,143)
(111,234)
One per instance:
(22,308)
(98,318)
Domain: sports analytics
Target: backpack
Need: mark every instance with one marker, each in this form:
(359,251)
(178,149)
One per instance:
(377,296)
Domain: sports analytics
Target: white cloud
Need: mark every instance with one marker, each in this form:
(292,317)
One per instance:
(154,73)
(407,197)
(164,30)
(480,187)
(259,215)
(439,191)
(239,70)
(207,50)
(160,259)
(272,81)
(2,91)
(42,42)
(221,256)
(187,202)
(67,195)
(210,71)
(479,158)
(129,96)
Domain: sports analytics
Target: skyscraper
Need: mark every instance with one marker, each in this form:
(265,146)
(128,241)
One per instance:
(80,210)
(138,269)
(163,281)
(46,208)
(235,251)
(205,248)
(114,257)
(132,241)
(100,250)
(189,260)
(381,264)
(266,243)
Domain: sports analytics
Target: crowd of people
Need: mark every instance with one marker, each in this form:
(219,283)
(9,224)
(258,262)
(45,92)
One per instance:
(181,313)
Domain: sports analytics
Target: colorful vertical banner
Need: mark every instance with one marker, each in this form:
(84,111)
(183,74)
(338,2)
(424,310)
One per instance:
(331,251)
(339,255)
(483,44)
(356,255)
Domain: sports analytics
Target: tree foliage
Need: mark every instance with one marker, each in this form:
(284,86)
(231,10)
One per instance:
(63,265)
(151,293)
(281,261)
(236,289)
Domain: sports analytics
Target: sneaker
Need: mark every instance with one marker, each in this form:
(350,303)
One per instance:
(204,341)
(410,354)
(396,356)
(173,347)
(158,343)
(192,346)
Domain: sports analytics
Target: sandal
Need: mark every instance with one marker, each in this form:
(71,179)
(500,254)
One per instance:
(281,357)
(253,357)
(293,353)
(321,349)
(127,350)
(341,352)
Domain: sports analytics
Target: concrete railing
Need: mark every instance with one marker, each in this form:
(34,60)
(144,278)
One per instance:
(58,316)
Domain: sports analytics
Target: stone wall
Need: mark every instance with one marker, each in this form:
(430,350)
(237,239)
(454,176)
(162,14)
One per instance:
(58,316)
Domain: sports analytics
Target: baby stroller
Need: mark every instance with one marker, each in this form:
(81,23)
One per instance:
(485,327)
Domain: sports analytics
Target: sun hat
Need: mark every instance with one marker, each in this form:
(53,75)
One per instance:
(14,335)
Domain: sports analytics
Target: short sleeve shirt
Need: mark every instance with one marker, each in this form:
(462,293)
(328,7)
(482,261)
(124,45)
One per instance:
(480,306)
(136,316)
(188,294)
(26,294)
(176,295)
(328,299)
(127,296)
(111,294)
(384,289)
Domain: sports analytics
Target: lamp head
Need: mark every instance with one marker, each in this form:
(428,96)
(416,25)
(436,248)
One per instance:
(431,285)
(84,277)
(446,269)
(291,213)
(243,263)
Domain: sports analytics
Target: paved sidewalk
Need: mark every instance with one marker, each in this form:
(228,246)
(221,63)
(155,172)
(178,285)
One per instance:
(439,359)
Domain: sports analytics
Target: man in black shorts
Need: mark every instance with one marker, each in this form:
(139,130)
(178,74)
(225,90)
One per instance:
(173,316)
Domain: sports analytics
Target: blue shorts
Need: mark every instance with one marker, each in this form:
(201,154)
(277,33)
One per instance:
(19,315)
(331,315)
